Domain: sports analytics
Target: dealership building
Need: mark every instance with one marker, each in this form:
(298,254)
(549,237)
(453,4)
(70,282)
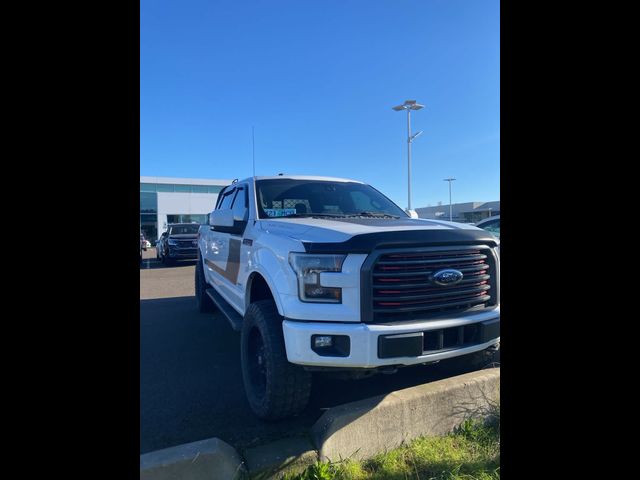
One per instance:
(165,200)
(469,212)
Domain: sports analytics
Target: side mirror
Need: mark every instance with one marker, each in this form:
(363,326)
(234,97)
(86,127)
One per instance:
(243,217)
(412,213)
(221,218)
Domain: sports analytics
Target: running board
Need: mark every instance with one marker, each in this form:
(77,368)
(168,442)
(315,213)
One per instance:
(235,319)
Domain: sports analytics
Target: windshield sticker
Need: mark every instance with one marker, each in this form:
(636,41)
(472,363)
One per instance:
(279,212)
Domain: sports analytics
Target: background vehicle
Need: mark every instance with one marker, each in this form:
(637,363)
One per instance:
(143,246)
(159,245)
(178,242)
(327,274)
(491,224)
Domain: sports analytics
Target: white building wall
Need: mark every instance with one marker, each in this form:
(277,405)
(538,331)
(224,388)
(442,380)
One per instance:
(179,203)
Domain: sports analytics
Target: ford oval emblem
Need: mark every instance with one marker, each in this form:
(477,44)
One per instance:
(447,277)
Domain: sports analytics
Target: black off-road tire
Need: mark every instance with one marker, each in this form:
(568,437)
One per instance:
(286,387)
(203,301)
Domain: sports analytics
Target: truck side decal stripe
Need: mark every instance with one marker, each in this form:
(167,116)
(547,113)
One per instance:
(233,262)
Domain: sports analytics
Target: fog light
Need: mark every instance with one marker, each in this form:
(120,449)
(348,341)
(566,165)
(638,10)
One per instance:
(331,345)
(322,341)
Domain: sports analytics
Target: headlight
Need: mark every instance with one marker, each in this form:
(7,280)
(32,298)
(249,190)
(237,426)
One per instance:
(172,242)
(308,268)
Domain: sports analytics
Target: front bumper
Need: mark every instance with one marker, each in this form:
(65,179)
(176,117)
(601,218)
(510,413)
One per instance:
(191,253)
(373,345)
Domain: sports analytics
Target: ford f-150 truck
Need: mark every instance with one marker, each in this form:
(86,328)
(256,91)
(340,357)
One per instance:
(327,274)
(178,242)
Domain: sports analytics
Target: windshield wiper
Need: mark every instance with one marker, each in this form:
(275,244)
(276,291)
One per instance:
(374,214)
(343,215)
(302,215)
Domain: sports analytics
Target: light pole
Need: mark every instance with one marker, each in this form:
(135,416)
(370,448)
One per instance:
(450,208)
(409,105)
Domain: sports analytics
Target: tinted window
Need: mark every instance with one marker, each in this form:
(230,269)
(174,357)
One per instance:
(227,200)
(240,203)
(148,202)
(164,187)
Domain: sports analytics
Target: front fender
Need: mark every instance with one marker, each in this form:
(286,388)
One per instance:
(270,284)
(276,271)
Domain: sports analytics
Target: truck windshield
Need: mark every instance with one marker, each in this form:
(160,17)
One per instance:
(184,229)
(298,198)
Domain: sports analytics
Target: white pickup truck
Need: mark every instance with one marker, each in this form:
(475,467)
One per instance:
(327,274)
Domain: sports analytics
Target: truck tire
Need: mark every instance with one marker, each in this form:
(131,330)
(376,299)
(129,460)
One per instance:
(275,388)
(204,302)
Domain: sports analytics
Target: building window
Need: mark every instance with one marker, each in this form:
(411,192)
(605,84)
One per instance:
(149,227)
(201,219)
(171,187)
(166,187)
(148,202)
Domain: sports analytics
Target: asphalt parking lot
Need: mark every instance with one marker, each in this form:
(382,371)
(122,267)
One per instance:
(190,379)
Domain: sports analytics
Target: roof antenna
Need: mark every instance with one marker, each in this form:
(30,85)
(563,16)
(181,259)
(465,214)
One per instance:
(253,144)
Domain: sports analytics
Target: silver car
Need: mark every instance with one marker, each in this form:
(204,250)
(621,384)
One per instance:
(491,225)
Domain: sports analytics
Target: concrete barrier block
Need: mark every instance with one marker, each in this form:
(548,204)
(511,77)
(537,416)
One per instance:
(204,460)
(288,455)
(367,427)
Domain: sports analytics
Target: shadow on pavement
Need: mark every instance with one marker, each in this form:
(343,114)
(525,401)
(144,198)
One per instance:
(153,263)
(191,382)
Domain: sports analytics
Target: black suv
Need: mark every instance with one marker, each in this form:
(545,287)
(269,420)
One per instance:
(179,241)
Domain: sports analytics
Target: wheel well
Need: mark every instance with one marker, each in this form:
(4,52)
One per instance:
(259,289)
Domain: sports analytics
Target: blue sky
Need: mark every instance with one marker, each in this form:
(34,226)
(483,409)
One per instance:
(317,79)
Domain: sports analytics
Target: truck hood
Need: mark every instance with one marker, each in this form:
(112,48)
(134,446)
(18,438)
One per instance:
(363,234)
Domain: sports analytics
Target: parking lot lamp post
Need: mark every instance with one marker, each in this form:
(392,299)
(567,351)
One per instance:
(450,207)
(409,105)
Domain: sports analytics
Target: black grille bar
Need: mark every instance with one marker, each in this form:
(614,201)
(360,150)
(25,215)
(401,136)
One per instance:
(398,285)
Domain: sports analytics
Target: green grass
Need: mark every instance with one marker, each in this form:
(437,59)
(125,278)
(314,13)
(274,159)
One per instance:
(472,452)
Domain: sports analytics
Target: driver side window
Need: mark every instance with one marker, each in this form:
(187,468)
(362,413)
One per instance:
(227,200)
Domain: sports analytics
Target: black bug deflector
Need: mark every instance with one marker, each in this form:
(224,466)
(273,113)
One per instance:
(368,242)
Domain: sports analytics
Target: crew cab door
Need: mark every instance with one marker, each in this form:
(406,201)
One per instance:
(222,255)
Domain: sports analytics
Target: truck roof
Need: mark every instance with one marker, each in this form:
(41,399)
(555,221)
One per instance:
(301,177)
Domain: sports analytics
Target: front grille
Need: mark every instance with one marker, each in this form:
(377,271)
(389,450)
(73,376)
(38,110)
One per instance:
(402,287)
(185,244)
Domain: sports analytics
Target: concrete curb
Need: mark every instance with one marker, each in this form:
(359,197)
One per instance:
(204,460)
(288,455)
(357,430)
(362,429)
